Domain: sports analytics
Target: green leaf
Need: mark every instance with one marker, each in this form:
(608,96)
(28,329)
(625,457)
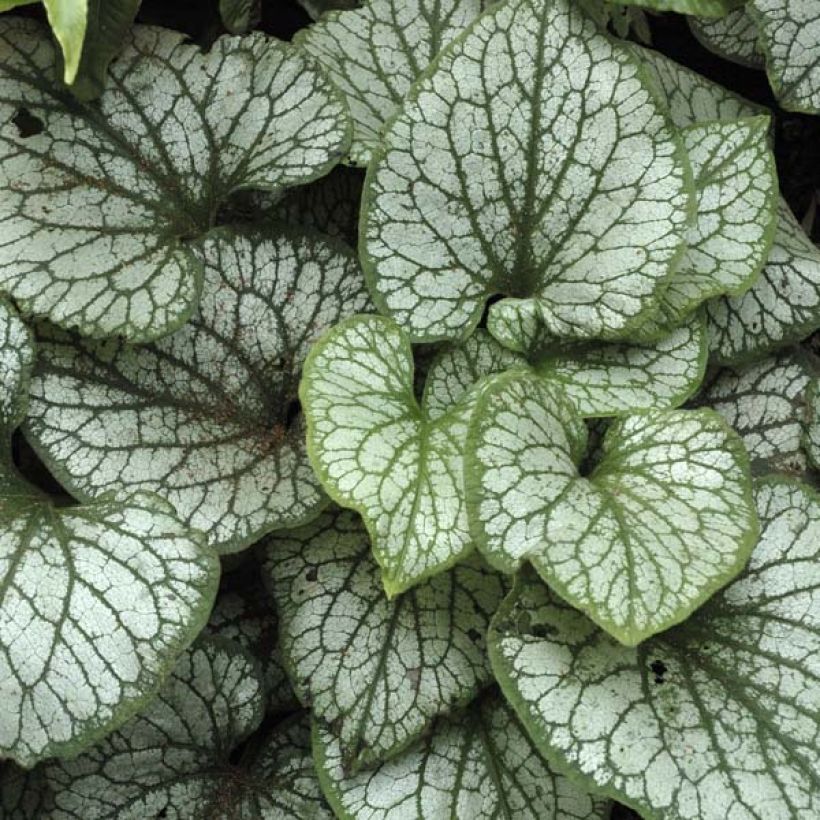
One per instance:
(377,451)
(379,671)
(716,718)
(812,438)
(16,362)
(766,403)
(376,52)
(240,16)
(664,519)
(783,304)
(733,37)
(68,19)
(8,5)
(108,25)
(244,614)
(790,38)
(479,765)
(505,175)
(705,8)
(205,417)
(173,760)
(100,202)
(316,8)
(736,185)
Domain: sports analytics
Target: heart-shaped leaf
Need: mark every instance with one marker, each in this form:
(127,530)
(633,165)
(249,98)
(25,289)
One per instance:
(99,202)
(377,451)
(506,173)
(173,760)
(207,417)
(767,404)
(733,37)
(379,671)
(790,38)
(479,765)
(717,718)
(665,518)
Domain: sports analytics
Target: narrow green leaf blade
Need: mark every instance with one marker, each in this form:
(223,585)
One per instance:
(664,520)
(68,20)
(204,418)
(479,765)
(484,185)
(716,718)
(380,671)
(99,202)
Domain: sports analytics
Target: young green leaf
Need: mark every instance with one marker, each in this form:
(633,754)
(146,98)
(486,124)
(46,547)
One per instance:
(376,52)
(99,202)
(733,37)
(205,417)
(173,760)
(379,671)
(240,16)
(68,19)
(664,520)
(380,453)
(716,718)
(766,403)
(790,37)
(478,765)
(506,173)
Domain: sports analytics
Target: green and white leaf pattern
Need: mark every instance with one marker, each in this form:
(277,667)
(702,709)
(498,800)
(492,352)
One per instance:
(380,453)
(736,184)
(16,362)
(99,204)
(379,671)
(790,37)
(717,718)
(95,604)
(705,8)
(202,417)
(464,200)
(173,760)
(733,37)
(479,765)
(766,403)
(812,438)
(376,52)
(665,518)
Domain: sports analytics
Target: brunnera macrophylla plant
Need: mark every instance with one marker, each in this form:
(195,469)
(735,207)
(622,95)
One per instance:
(418,419)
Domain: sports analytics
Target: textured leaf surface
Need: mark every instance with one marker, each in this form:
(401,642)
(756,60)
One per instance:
(767,403)
(16,361)
(664,519)
(506,173)
(380,453)
(204,417)
(95,603)
(173,760)
(717,718)
(374,54)
(733,37)
(790,37)
(706,8)
(99,202)
(736,186)
(812,441)
(479,765)
(378,671)
(783,304)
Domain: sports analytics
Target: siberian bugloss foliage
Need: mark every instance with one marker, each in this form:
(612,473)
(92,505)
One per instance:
(416,419)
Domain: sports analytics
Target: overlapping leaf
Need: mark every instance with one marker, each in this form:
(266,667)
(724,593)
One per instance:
(95,601)
(664,519)
(717,718)
(377,451)
(374,54)
(479,765)
(99,202)
(790,37)
(378,671)
(812,440)
(767,404)
(705,8)
(206,417)
(733,37)
(173,760)
(506,173)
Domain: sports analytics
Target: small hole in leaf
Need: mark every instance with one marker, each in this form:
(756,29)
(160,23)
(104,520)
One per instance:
(312,574)
(658,670)
(292,412)
(27,124)
(474,635)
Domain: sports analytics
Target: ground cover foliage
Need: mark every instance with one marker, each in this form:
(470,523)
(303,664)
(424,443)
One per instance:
(410,409)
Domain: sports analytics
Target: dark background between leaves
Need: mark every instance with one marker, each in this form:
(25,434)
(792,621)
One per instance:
(797,136)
